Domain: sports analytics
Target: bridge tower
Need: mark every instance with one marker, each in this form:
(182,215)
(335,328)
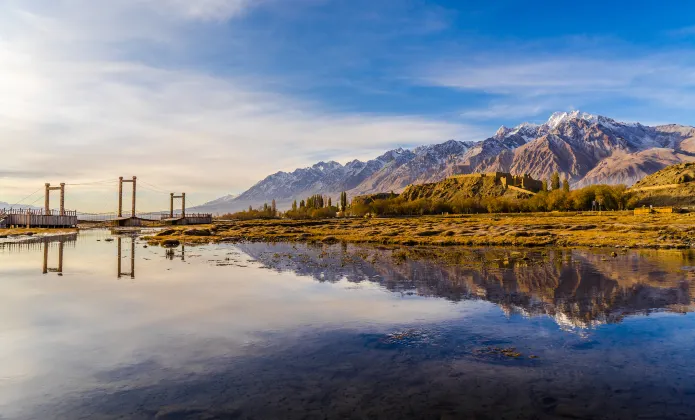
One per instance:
(120,194)
(47,196)
(171,204)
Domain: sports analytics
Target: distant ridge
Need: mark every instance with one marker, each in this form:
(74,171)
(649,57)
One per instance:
(5,205)
(584,148)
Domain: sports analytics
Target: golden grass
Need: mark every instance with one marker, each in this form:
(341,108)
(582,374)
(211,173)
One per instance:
(35,231)
(538,229)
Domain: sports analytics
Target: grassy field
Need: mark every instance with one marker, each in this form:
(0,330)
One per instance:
(614,229)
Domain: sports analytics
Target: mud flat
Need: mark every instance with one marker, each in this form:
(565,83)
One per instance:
(609,229)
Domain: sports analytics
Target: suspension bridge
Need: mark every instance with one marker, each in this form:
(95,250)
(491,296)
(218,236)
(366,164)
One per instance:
(50,218)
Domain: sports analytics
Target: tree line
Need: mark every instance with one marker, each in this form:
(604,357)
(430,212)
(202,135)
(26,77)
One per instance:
(603,197)
(316,206)
(555,195)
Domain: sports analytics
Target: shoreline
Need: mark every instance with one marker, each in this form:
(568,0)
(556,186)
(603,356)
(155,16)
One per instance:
(22,233)
(609,229)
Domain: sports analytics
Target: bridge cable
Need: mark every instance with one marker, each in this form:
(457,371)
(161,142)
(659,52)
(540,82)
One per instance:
(20,201)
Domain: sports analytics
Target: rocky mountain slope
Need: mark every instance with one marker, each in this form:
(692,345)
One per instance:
(677,174)
(456,189)
(671,186)
(584,148)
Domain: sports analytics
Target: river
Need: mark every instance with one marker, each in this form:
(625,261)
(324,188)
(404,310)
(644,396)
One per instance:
(95,325)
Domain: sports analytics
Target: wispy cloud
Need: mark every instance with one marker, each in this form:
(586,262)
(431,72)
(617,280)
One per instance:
(85,113)
(205,9)
(538,76)
(683,32)
(532,85)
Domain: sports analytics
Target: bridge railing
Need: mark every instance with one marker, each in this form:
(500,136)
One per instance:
(36,212)
(159,215)
(197,215)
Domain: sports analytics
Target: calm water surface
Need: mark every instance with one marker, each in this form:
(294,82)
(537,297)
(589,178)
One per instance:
(101,326)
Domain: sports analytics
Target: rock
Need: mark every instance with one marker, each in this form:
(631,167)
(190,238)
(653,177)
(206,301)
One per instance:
(108,240)
(29,234)
(166,232)
(3,236)
(170,243)
(614,254)
(197,232)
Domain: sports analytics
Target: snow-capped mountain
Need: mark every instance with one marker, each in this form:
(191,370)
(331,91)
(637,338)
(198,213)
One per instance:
(584,148)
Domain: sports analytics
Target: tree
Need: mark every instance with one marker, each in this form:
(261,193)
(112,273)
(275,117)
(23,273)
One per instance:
(294,205)
(273,208)
(302,204)
(544,186)
(565,185)
(555,181)
(557,200)
(329,202)
(343,201)
(250,208)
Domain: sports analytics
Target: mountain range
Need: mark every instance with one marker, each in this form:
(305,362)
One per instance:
(584,148)
(4,205)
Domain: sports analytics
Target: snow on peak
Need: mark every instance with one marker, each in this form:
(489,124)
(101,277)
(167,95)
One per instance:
(327,166)
(502,131)
(559,117)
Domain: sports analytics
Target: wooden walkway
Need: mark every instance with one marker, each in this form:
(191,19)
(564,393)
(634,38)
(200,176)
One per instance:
(188,219)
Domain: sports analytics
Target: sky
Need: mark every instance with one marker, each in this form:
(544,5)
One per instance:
(208,97)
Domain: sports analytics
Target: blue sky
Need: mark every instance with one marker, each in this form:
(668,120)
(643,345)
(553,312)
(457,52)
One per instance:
(209,96)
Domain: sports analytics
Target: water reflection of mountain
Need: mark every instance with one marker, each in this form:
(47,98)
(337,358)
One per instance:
(579,288)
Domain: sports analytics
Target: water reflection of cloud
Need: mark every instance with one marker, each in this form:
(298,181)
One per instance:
(67,327)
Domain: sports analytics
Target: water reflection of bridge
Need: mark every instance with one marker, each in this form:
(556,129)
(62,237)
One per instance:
(132,258)
(47,244)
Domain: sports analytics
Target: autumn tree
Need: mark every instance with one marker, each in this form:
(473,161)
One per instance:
(555,181)
(343,201)
(565,185)
(544,186)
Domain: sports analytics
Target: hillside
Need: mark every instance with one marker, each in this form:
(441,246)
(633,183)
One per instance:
(584,148)
(456,189)
(675,174)
(671,186)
